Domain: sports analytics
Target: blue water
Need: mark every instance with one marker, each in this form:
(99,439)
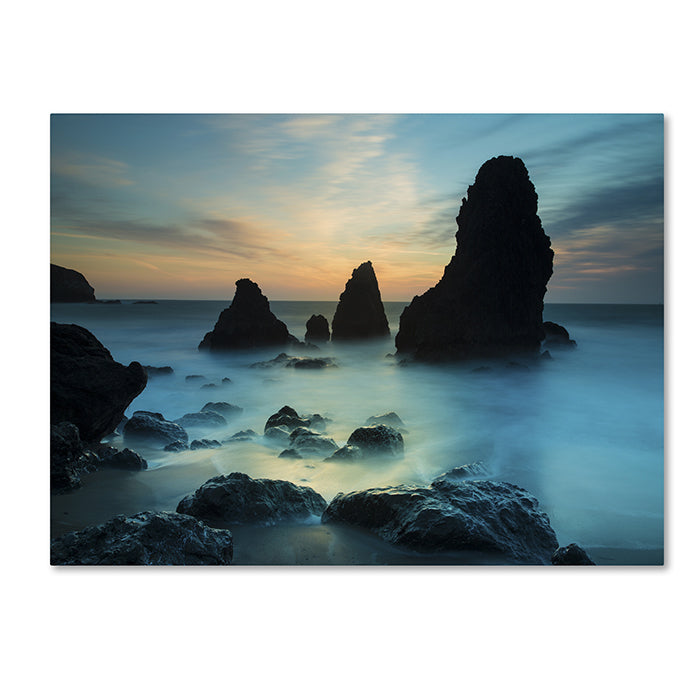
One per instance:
(584,432)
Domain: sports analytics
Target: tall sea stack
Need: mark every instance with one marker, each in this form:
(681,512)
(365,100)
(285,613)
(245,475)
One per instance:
(360,312)
(247,323)
(490,298)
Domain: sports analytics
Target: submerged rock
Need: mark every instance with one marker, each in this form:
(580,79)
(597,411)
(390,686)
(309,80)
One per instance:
(284,360)
(88,388)
(151,428)
(236,498)
(308,443)
(556,336)
(317,330)
(571,555)
(242,436)
(247,322)
(69,286)
(157,371)
(483,516)
(377,440)
(347,453)
(360,312)
(176,446)
(201,419)
(290,453)
(490,298)
(145,538)
(391,419)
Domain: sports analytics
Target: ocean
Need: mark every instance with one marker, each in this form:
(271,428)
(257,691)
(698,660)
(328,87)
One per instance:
(584,432)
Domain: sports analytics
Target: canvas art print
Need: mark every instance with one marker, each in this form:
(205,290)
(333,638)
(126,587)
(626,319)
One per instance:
(357,339)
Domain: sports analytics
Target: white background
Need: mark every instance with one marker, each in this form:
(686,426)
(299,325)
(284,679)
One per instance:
(343,633)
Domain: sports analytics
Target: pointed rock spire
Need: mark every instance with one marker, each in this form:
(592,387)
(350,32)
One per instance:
(360,312)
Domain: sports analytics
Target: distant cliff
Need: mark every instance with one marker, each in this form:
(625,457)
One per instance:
(491,296)
(69,286)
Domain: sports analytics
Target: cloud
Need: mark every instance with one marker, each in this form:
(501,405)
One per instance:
(91,169)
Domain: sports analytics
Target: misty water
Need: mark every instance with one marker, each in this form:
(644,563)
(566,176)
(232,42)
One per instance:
(583,432)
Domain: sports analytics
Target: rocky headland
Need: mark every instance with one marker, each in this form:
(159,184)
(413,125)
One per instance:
(490,298)
(70,286)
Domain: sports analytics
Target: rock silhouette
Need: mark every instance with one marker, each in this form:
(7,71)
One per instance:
(247,322)
(360,312)
(317,330)
(69,286)
(88,388)
(490,298)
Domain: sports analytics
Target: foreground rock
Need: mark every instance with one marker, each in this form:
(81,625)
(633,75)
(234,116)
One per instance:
(247,323)
(378,440)
(223,407)
(307,443)
(484,516)
(146,427)
(571,555)
(236,498)
(360,312)
(69,286)
(317,330)
(68,458)
(88,388)
(125,459)
(145,538)
(490,298)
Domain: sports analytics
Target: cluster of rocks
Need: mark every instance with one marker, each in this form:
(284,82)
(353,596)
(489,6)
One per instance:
(71,458)
(454,516)
(284,360)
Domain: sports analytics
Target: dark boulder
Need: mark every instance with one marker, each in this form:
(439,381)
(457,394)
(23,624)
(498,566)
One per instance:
(571,555)
(360,311)
(201,419)
(68,458)
(223,407)
(125,459)
(485,516)
(289,418)
(204,444)
(146,427)
(377,440)
(556,336)
(247,322)
(490,298)
(145,538)
(176,446)
(69,286)
(236,498)
(317,330)
(88,388)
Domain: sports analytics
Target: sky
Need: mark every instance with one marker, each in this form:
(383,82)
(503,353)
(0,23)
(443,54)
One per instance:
(180,206)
